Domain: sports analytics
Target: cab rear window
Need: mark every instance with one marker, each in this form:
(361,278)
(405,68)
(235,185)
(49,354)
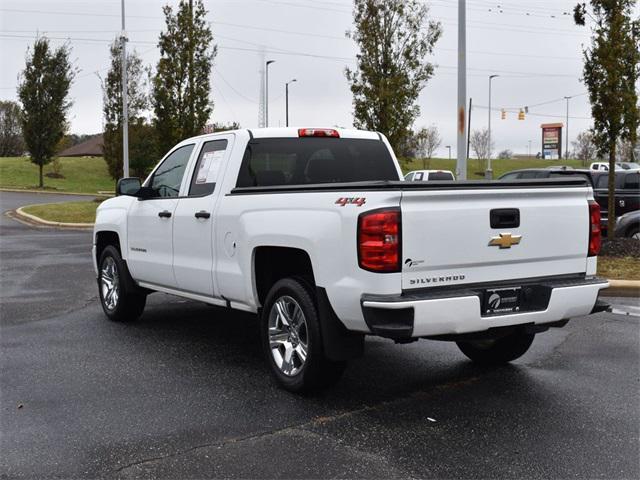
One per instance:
(304,161)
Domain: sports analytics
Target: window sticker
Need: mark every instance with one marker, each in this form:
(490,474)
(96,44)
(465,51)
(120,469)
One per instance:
(209,166)
(214,167)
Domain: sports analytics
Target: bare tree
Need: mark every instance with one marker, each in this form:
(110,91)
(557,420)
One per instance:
(480,146)
(427,141)
(584,148)
(505,154)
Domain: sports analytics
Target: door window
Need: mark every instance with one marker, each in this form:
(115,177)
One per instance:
(510,176)
(632,181)
(418,177)
(167,178)
(207,168)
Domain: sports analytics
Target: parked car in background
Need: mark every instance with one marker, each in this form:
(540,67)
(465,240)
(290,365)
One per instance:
(603,166)
(628,225)
(628,165)
(627,193)
(549,172)
(429,175)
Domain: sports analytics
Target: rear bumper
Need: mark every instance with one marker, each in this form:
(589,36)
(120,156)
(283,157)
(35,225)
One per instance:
(446,311)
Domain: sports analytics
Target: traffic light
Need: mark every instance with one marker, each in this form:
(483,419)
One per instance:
(503,114)
(521,114)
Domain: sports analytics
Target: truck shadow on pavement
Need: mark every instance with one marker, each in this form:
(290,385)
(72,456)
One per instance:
(213,339)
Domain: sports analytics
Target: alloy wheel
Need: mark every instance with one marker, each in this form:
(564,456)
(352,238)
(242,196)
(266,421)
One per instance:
(288,335)
(109,283)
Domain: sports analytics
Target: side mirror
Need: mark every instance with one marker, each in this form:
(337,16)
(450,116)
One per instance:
(128,186)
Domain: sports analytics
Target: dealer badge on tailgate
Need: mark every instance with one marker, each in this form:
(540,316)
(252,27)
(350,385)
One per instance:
(501,301)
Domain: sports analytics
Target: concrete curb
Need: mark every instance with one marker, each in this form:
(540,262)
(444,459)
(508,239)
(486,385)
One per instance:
(622,288)
(20,213)
(53,192)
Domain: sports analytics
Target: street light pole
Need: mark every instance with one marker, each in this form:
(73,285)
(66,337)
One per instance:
(449,147)
(461,164)
(266,93)
(125,102)
(489,172)
(286,96)
(566,133)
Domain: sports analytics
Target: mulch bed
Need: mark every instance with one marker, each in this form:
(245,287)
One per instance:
(620,247)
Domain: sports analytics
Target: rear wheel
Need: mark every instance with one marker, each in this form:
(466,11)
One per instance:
(120,301)
(290,332)
(634,232)
(499,350)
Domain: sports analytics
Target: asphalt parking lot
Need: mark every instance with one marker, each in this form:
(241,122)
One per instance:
(183,393)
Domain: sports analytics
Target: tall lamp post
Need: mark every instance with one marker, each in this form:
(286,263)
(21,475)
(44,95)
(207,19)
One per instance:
(461,114)
(449,147)
(125,102)
(489,172)
(566,133)
(266,93)
(286,97)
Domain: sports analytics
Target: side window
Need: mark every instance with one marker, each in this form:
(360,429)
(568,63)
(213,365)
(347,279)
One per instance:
(632,181)
(510,176)
(408,177)
(207,168)
(419,176)
(167,178)
(530,175)
(603,181)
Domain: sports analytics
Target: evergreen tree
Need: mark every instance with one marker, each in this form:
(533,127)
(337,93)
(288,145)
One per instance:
(43,91)
(394,38)
(11,141)
(182,82)
(611,72)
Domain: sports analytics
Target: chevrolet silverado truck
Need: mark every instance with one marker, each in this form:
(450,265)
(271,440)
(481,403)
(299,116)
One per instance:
(313,230)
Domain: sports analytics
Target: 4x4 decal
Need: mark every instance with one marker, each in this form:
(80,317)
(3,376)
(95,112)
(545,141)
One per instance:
(359,201)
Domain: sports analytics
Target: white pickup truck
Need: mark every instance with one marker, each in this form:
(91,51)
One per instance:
(315,231)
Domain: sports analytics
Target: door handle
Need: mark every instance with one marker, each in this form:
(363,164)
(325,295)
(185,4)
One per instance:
(202,214)
(164,214)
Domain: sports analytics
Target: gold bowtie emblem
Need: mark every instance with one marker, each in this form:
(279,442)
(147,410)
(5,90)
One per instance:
(505,240)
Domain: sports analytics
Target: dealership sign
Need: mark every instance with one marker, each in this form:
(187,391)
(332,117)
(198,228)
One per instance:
(551,140)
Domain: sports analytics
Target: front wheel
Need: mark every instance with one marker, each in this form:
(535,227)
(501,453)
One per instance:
(292,343)
(119,300)
(499,350)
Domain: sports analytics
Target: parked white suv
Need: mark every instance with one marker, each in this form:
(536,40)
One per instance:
(429,175)
(603,167)
(313,230)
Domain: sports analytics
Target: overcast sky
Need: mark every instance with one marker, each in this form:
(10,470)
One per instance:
(533,45)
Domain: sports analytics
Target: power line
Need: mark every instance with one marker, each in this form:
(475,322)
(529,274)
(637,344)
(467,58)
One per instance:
(279,51)
(472,24)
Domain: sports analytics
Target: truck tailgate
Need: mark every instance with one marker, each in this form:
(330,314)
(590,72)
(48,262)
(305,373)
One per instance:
(448,239)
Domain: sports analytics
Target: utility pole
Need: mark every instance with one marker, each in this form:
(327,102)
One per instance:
(469,128)
(266,92)
(125,102)
(566,133)
(286,96)
(449,147)
(461,164)
(489,173)
(529,148)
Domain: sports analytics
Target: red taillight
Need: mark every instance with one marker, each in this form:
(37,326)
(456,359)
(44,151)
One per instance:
(379,240)
(318,132)
(595,232)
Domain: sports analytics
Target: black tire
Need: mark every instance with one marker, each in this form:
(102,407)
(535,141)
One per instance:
(129,301)
(498,351)
(316,372)
(631,232)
